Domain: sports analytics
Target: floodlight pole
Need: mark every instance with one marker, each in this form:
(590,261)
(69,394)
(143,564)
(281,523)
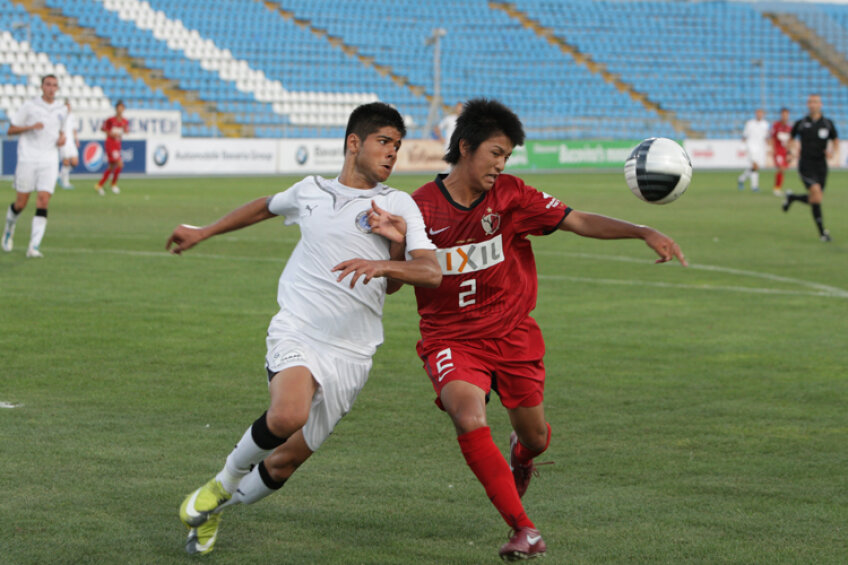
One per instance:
(762,65)
(436,102)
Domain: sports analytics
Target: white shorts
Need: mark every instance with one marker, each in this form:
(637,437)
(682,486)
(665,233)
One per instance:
(340,376)
(34,176)
(68,151)
(757,155)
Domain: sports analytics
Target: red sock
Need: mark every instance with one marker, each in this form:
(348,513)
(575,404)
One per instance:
(105,176)
(492,470)
(524,455)
(778,179)
(115,176)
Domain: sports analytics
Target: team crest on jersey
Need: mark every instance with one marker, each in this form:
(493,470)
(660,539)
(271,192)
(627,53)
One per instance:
(491,222)
(362,222)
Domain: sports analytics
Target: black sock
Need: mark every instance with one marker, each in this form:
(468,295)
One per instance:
(266,478)
(800,198)
(262,436)
(817,217)
(15,211)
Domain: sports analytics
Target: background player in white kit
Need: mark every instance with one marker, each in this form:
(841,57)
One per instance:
(41,123)
(69,152)
(755,135)
(444,129)
(321,342)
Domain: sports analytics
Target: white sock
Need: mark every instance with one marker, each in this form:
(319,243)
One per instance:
(65,173)
(252,488)
(11,218)
(755,180)
(239,461)
(744,176)
(39,224)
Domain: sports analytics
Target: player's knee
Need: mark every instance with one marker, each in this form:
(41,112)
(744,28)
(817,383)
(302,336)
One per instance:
(281,465)
(284,422)
(467,421)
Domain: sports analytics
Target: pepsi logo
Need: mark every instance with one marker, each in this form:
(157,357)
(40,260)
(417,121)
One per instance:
(93,156)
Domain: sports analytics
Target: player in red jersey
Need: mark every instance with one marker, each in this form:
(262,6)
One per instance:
(781,135)
(477,333)
(115,128)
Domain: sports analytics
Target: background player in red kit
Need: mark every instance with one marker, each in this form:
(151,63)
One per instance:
(115,128)
(477,333)
(781,135)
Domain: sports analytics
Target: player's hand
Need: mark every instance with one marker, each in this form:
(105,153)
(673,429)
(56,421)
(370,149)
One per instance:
(184,237)
(359,268)
(665,247)
(37,125)
(61,141)
(388,225)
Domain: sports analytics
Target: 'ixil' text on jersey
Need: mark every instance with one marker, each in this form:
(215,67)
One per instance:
(333,220)
(489,279)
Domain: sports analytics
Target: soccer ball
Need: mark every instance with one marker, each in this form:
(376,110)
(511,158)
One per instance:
(658,170)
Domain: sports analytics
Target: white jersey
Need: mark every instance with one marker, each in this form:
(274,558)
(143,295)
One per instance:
(333,221)
(446,127)
(756,133)
(39,145)
(70,130)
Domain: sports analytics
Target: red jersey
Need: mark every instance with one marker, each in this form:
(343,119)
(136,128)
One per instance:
(489,284)
(780,135)
(115,124)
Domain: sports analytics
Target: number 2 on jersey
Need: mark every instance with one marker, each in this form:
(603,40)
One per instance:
(466,298)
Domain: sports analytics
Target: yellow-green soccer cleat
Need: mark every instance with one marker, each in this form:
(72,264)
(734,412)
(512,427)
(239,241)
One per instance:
(198,507)
(201,540)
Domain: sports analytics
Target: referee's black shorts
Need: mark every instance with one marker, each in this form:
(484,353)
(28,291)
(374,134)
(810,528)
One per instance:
(811,174)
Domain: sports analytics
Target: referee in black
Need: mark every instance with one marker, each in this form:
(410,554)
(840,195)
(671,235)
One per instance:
(819,140)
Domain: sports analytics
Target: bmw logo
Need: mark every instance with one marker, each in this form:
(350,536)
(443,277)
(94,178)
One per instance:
(160,155)
(301,155)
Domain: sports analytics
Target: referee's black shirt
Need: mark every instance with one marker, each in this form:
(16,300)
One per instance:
(814,135)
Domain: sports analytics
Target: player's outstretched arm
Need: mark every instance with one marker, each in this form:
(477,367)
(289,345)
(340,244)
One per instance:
(604,227)
(421,270)
(185,237)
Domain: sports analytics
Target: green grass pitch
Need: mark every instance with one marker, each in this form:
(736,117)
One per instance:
(699,415)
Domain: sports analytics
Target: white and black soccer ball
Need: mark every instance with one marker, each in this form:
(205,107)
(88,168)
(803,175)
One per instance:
(658,170)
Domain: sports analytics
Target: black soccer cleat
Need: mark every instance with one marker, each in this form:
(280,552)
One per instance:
(787,201)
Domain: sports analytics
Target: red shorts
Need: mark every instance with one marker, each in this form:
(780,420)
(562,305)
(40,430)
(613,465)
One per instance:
(113,150)
(780,160)
(511,365)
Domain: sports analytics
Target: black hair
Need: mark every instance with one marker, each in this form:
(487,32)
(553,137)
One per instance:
(784,109)
(120,103)
(45,77)
(481,119)
(368,118)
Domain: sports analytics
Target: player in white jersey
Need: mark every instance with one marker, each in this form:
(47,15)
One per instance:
(41,123)
(755,135)
(447,125)
(69,152)
(331,292)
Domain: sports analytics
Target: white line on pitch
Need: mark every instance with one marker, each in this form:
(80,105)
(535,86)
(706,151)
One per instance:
(751,290)
(825,290)
(166,255)
(819,289)
(9,405)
